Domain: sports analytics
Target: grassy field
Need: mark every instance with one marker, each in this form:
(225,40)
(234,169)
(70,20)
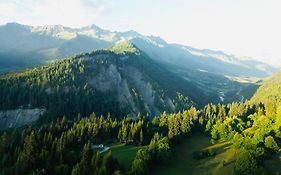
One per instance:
(183,162)
(125,154)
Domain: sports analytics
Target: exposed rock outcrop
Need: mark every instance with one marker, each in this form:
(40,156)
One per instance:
(19,117)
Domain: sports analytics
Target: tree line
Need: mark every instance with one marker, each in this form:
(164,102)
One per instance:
(65,146)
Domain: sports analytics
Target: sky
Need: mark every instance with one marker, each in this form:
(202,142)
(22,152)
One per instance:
(249,28)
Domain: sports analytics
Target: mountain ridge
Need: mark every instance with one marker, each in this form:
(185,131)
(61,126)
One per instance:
(64,42)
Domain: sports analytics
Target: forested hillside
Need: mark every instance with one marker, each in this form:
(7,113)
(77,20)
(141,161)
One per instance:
(270,91)
(69,147)
(100,87)
(118,111)
(119,81)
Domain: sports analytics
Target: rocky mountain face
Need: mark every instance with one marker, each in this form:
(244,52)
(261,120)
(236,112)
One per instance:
(19,117)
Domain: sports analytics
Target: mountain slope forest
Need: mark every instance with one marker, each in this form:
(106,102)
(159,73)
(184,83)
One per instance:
(120,81)
(269,92)
(67,146)
(136,105)
(86,100)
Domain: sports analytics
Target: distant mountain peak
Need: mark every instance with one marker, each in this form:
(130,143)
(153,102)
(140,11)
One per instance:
(50,28)
(16,26)
(93,27)
(13,23)
(157,39)
(131,32)
(128,34)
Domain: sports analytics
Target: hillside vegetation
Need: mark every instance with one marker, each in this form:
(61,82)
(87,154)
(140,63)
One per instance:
(238,138)
(221,163)
(150,119)
(270,91)
(245,137)
(119,81)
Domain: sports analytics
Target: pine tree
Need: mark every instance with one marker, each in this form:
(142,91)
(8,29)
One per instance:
(141,137)
(4,143)
(28,156)
(76,170)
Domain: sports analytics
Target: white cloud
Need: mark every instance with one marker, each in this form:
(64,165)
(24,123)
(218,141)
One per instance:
(73,13)
(6,10)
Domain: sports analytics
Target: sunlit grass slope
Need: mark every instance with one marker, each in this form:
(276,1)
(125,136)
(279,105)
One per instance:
(125,154)
(184,163)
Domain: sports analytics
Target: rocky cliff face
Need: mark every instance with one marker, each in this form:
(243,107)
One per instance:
(132,87)
(19,117)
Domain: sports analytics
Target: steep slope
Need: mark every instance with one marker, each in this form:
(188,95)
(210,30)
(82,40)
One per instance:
(270,91)
(119,81)
(214,72)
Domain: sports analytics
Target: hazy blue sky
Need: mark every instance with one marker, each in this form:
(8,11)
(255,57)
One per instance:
(243,27)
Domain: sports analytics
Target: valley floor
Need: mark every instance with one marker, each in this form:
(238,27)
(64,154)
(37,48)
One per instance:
(183,162)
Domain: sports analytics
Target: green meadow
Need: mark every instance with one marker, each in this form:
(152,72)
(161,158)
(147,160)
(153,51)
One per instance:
(125,154)
(183,162)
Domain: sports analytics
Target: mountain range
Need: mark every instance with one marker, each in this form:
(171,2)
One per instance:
(120,80)
(90,97)
(222,77)
(25,46)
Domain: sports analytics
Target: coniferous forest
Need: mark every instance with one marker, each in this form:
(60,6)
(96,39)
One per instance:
(82,123)
(79,99)
(66,146)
